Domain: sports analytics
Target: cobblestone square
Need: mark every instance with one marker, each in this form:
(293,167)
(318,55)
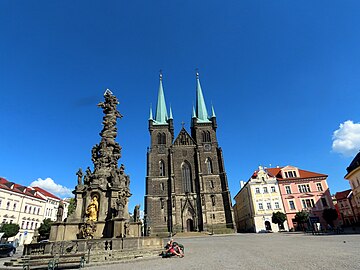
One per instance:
(258,251)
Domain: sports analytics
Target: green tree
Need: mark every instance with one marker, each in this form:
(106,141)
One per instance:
(44,229)
(279,219)
(72,206)
(330,215)
(301,218)
(9,230)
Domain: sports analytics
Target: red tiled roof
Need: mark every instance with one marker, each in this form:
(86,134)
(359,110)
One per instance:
(5,184)
(342,194)
(303,174)
(46,193)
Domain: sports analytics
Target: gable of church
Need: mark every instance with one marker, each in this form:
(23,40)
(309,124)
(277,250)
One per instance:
(184,139)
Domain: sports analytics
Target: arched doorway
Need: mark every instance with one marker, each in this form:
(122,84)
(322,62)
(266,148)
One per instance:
(268,225)
(189,225)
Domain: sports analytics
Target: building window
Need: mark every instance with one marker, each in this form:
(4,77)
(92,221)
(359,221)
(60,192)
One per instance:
(308,203)
(288,189)
(206,136)
(162,203)
(213,200)
(161,168)
(11,221)
(0,202)
(14,208)
(161,138)
(268,205)
(211,184)
(31,226)
(292,205)
(324,202)
(162,186)
(209,166)
(23,225)
(304,188)
(25,208)
(273,189)
(7,205)
(38,211)
(265,190)
(277,205)
(290,174)
(319,187)
(257,190)
(27,225)
(4,221)
(261,206)
(34,210)
(29,209)
(186,177)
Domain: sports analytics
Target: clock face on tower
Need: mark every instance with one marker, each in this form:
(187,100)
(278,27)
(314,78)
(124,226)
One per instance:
(207,147)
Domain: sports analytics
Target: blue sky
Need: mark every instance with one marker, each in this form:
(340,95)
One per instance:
(282,76)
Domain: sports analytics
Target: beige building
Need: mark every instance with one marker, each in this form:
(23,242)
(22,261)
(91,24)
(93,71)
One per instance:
(353,175)
(27,207)
(257,200)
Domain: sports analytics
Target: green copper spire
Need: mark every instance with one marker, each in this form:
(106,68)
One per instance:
(201,112)
(212,111)
(161,111)
(151,114)
(170,116)
(193,113)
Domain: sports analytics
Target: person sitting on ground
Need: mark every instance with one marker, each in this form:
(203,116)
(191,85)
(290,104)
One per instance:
(172,249)
(178,248)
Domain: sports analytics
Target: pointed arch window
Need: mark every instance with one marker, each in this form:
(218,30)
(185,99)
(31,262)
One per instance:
(186,177)
(206,136)
(213,200)
(161,168)
(209,167)
(161,138)
(162,203)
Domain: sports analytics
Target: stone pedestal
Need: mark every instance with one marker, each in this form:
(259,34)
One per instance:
(119,229)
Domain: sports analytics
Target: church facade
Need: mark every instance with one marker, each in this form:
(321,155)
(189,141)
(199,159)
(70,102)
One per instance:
(186,183)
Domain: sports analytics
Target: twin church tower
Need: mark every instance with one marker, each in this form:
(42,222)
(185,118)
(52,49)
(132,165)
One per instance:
(186,182)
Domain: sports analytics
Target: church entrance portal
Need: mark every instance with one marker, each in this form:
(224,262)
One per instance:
(189,225)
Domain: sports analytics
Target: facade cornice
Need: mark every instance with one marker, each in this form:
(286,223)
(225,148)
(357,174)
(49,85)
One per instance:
(292,180)
(353,172)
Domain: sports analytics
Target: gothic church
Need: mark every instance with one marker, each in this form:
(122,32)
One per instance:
(186,182)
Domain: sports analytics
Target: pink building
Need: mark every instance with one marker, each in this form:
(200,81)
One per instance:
(303,190)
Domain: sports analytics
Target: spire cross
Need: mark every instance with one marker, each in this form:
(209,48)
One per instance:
(182,124)
(160,71)
(197,72)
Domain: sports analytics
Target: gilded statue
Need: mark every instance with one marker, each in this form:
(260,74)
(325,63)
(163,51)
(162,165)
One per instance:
(92,209)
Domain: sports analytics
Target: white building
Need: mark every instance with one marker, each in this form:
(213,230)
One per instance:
(256,202)
(27,207)
(51,205)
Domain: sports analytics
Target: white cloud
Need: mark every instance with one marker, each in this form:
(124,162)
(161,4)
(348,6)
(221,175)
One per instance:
(346,139)
(49,185)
